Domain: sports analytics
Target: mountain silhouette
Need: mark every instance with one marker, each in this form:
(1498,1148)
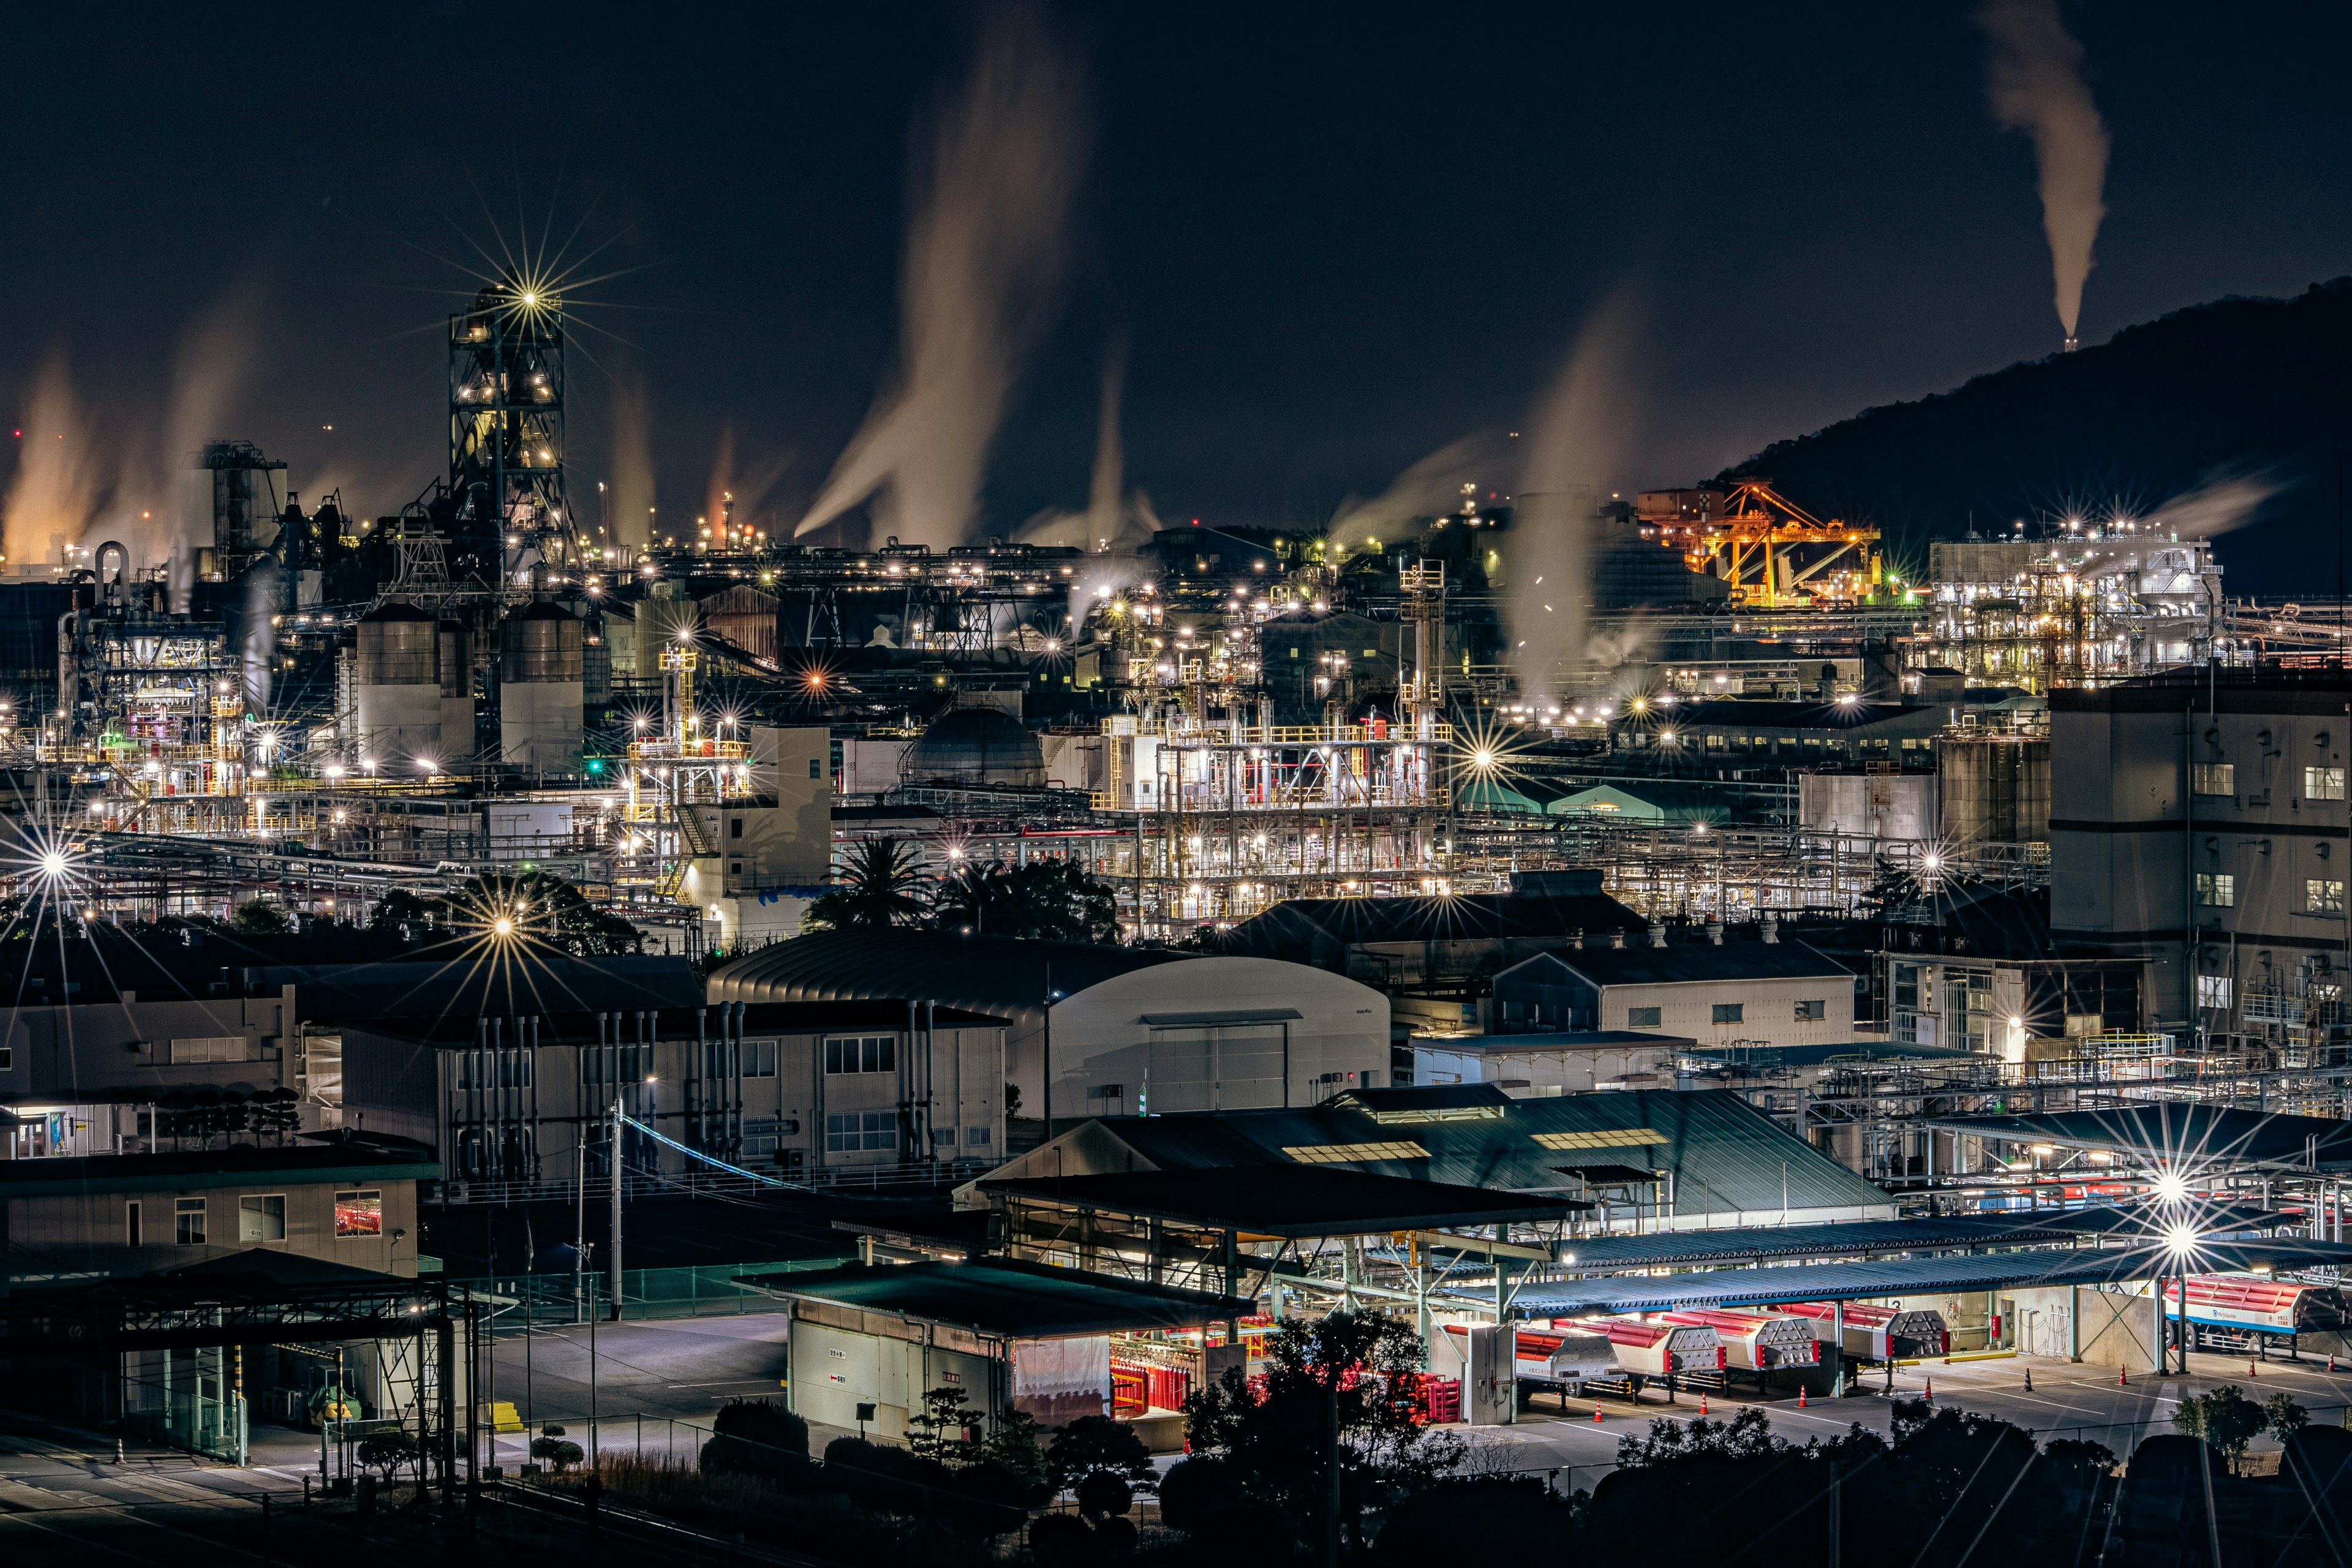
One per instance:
(2236,389)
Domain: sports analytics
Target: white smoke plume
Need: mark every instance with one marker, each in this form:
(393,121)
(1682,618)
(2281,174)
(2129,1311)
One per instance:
(1110,521)
(630,502)
(2034,76)
(1581,431)
(58,482)
(1431,488)
(215,359)
(1103,508)
(2223,500)
(982,266)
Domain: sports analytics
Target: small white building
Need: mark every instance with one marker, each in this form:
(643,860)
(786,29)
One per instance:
(1761,990)
(1572,1061)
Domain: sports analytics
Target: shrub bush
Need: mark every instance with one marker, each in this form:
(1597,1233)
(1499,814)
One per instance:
(753,1437)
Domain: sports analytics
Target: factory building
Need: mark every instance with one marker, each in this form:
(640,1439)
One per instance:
(1103,1030)
(1765,991)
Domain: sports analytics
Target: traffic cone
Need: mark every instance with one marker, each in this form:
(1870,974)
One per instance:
(2029,1380)
(2250,1368)
(2331,1360)
(1800,1396)
(1596,1416)
(1931,1388)
(2123,1377)
(1702,1405)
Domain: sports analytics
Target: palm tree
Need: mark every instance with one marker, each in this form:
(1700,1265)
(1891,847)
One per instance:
(879,884)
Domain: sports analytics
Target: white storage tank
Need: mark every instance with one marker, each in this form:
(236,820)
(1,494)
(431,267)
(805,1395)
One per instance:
(541,689)
(457,690)
(396,688)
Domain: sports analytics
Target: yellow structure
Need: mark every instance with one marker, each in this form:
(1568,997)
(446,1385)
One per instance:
(1773,552)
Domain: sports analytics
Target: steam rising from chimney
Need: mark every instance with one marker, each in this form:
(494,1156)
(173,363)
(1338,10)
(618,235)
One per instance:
(215,355)
(1111,474)
(1432,488)
(1580,433)
(56,491)
(631,501)
(983,265)
(2034,78)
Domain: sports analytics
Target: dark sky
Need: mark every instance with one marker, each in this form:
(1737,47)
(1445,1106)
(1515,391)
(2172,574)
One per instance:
(1339,237)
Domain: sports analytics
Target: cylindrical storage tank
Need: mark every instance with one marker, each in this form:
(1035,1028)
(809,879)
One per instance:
(541,689)
(456,663)
(396,688)
(596,667)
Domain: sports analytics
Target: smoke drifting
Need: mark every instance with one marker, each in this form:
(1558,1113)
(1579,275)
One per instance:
(57,486)
(1431,488)
(2034,78)
(2215,504)
(215,356)
(983,265)
(631,501)
(1580,433)
(1110,474)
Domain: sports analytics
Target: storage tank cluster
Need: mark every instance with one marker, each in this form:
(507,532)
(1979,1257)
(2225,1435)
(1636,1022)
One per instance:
(397,688)
(541,688)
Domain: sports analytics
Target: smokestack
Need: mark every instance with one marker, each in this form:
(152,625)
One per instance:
(2072,342)
(2035,79)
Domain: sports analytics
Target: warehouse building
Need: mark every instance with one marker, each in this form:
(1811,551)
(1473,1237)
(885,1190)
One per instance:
(1103,1031)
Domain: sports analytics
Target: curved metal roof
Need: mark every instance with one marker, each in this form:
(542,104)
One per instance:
(1003,975)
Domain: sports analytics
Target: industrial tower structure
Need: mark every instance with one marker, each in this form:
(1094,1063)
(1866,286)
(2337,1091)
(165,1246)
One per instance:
(506,429)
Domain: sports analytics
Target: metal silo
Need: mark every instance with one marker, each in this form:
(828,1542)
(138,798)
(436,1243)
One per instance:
(456,663)
(397,688)
(541,689)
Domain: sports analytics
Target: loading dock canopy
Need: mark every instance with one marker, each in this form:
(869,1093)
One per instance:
(1296,1201)
(1782,1285)
(1756,1244)
(2215,1137)
(1005,1298)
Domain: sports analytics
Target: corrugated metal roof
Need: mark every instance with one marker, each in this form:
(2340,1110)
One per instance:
(1001,1297)
(1752,1244)
(1288,1200)
(2169,1134)
(1681,962)
(1814,1056)
(1004,976)
(1304,929)
(1724,1155)
(1896,1276)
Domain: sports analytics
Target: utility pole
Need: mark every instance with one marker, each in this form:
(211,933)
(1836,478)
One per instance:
(617,1208)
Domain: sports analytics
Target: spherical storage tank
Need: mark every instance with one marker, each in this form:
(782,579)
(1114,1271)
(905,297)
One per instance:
(396,686)
(541,689)
(975,745)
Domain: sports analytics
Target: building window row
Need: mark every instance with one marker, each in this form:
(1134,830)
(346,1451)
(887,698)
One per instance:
(615,1064)
(847,1132)
(862,1053)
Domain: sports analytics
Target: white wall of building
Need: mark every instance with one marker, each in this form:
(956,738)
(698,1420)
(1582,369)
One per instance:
(1768,1010)
(1213,1033)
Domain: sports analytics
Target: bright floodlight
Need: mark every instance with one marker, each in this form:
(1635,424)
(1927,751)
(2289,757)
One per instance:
(2171,1187)
(503,926)
(1483,759)
(2180,1237)
(53,864)
(1934,862)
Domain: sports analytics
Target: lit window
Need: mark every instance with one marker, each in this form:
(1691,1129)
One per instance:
(2217,890)
(2215,778)
(2215,991)
(2323,783)
(359,1214)
(2321,896)
(1342,1154)
(1617,1138)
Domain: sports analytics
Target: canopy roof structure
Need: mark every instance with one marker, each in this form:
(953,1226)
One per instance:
(1784,1285)
(2192,1138)
(1004,1298)
(1289,1201)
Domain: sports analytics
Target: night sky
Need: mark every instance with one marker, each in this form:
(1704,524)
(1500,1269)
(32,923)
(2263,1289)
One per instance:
(1337,237)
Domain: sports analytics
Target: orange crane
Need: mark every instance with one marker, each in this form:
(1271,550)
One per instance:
(1773,552)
